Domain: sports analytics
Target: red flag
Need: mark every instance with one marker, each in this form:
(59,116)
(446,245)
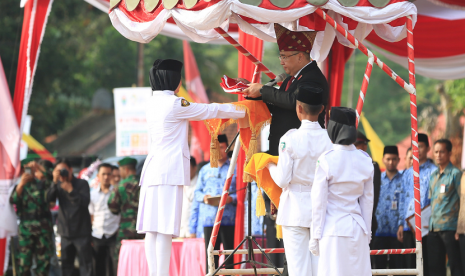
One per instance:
(35,18)
(200,138)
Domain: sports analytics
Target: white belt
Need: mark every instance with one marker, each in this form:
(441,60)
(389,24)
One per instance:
(299,188)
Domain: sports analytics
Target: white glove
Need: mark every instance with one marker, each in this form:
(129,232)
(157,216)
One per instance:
(314,247)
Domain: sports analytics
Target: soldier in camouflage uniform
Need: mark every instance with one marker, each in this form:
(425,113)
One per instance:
(125,201)
(35,227)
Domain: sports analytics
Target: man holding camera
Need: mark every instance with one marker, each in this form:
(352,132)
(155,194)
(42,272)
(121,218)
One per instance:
(74,224)
(35,227)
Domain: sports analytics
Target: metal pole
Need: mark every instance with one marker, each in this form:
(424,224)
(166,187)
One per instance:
(416,163)
(219,214)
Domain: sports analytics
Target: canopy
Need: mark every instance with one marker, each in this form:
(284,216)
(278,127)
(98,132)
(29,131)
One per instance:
(142,20)
(439,42)
(170,29)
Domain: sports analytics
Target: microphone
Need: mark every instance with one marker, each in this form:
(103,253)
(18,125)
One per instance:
(278,78)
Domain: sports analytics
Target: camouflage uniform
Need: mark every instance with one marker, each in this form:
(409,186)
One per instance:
(35,228)
(125,201)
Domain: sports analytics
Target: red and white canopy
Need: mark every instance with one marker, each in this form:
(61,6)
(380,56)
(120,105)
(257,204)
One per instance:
(142,20)
(439,38)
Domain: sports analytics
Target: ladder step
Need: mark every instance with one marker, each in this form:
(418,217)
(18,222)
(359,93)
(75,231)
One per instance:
(395,272)
(248,271)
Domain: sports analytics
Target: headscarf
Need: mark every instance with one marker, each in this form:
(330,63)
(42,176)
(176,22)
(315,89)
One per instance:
(165,74)
(341,126)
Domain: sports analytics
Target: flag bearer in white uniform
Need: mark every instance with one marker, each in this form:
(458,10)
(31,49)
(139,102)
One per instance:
(299,150)
(167,167)
(342,202)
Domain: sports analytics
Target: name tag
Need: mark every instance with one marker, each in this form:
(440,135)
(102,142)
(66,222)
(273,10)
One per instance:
(394,205)
(443,188)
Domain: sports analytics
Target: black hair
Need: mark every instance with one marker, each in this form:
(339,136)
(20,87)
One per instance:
(446,142)
(193,161)
(104,165)
(409,149)
(311,109)
(62,161)
(114,168)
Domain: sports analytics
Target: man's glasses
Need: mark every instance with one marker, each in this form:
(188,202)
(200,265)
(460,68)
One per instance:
(283,58)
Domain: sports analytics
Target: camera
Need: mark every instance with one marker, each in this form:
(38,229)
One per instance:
(27,170)
(64,173)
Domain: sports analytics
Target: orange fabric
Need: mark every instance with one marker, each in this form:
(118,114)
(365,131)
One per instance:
(258,170)
(258,116)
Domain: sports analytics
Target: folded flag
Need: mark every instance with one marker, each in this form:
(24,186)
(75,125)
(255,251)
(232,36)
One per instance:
(232,86)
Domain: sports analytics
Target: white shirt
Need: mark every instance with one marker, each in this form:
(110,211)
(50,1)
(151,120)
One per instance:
(299,150)
(168,121)
(105,222)
(342,192)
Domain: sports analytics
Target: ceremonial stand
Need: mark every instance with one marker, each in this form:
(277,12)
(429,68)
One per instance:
(223,268)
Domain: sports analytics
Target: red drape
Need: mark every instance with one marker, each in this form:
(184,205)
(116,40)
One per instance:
(336,64)
(35,18)
(246,69)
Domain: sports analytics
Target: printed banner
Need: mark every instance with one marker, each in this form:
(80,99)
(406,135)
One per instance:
(131,125)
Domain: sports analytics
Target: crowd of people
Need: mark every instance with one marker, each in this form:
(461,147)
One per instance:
(335,202)
(91,224)
(440,192)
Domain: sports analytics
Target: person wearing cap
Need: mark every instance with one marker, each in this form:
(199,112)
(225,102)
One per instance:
(362,144)
(407,202)
(124,201)
(342,202)
(298,154)
(294,56)
(167,169)
(210,184)
(387,211)
(35,228)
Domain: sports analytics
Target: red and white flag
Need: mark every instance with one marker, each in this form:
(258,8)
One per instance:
(232,86)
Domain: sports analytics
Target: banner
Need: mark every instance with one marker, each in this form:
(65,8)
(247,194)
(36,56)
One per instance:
(131,126)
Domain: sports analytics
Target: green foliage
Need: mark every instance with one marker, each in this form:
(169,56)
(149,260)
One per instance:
(456,91)
(387,105)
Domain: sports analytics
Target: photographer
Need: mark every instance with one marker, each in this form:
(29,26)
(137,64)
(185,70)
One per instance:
(74,225)
(35,227)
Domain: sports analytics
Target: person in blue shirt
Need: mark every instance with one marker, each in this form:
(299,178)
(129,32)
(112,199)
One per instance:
(387,211)
(210,183)
(196,228)
(407,202)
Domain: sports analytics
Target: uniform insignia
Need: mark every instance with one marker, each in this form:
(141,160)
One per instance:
(185,103)
(282,146)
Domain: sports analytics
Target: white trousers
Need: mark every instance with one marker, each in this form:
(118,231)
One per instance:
(158,253)
(300,261)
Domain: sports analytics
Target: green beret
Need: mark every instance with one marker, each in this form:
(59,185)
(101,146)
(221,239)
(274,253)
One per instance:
(26,161)
(127,161)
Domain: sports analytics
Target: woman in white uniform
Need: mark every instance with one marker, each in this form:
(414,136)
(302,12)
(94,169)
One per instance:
(342,202)
(167,167)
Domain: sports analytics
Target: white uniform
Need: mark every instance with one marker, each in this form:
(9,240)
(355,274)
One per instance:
(167,167)
(342,205)
(298,154)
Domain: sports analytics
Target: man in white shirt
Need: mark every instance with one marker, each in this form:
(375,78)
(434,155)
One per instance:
(104,223)
(342,202)
(299,150)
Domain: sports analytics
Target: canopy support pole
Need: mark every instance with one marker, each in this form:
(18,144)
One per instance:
(411,89)
(416,164)
(408,87)
(260,66)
